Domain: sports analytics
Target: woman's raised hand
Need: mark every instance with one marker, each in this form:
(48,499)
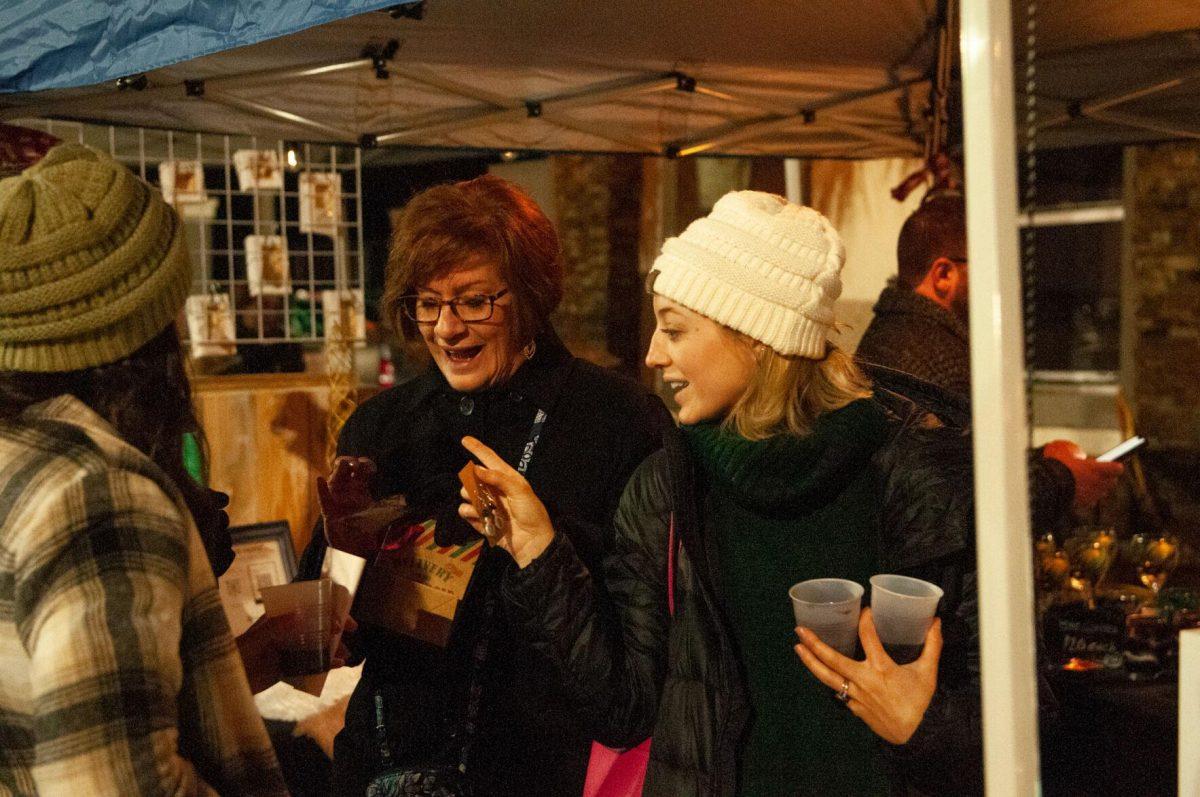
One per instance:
(890,698)
(345,493)
(520,523)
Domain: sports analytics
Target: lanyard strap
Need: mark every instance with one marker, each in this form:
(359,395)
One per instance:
(480,654)
(535,434)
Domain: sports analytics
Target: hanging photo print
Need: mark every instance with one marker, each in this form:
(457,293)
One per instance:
(182,182)
(210,325)
(267,265)
(200,211)
(258,169)
(320,202)
(344,310)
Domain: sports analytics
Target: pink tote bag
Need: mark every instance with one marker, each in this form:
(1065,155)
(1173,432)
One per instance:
(621,773)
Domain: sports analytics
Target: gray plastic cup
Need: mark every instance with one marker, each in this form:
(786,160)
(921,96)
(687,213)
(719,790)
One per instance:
(309,651)
(829,608)
(902,609)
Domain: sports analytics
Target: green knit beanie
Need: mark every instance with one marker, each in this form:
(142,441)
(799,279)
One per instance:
(93,263)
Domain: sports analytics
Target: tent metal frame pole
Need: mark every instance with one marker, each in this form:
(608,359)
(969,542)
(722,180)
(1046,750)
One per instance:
(1141,123)
(108,100)
(289,73)
(1003,543)
(463,119)
(259,109)
(739,131)
(518,109)
(1092,108)
(870,134)
(562,120)
(430,78)
(742,131)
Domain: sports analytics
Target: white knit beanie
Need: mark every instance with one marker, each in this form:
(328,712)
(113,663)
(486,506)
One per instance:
(760,265)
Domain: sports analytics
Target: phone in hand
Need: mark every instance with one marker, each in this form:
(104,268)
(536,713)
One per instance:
(1122,449)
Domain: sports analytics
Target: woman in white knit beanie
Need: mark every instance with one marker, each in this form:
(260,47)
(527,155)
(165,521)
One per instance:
(786,468)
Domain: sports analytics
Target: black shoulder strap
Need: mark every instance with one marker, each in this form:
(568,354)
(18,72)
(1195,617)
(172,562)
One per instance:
(685,509)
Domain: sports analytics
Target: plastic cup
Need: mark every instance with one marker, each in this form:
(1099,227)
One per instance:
(829,608)
(903,609)
(310,651)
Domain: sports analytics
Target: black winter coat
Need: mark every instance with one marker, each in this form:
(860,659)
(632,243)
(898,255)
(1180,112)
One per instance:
(919,348)
(913,334)
(600,426)
(639,672)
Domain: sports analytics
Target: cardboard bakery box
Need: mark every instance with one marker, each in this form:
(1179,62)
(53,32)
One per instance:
(414,586)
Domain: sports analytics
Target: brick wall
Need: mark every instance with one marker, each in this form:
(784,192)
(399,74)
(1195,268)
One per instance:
(1162,298)
(1164,224)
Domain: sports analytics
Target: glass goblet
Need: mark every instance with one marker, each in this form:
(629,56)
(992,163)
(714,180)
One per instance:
(1090,556)
(1155,557)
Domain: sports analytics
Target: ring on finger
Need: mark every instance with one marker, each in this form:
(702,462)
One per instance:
(844,695)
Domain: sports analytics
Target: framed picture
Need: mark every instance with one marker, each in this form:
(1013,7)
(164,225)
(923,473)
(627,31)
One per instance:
(267,265)
(320,202)
(263,557)
(210,325)
(258,168)
(182,182)
(345,307)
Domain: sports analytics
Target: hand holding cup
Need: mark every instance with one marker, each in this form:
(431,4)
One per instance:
(299,633)
(890,698)
(345,498)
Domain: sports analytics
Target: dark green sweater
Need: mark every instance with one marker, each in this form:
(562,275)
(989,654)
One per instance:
(781,511)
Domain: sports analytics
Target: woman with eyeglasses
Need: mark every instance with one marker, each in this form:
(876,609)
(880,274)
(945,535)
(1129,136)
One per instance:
(789,465)
(475,270)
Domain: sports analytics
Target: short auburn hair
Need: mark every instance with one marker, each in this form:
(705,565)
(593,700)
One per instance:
(938,228)
(446,226)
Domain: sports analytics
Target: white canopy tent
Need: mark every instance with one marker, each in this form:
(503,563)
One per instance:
(823,79)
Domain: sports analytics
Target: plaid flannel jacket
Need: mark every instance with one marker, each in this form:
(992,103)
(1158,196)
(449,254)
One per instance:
(118,673)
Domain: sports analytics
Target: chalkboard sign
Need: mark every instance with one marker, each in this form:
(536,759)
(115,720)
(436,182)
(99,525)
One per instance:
(1073,631)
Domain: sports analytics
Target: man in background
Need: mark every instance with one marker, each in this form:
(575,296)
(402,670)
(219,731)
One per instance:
(920,328)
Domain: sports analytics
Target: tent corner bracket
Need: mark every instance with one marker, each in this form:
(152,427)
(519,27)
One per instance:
(137,82)
(380,56)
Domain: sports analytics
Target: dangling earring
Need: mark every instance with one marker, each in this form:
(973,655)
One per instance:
(530,349)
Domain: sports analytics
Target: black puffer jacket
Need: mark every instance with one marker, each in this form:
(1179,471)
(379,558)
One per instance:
(639,672)
(914,346)
(600,426)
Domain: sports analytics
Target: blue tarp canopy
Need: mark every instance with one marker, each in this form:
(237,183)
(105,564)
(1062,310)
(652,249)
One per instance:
(52,44)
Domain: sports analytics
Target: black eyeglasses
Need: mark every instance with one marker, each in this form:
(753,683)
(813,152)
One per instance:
(469,309)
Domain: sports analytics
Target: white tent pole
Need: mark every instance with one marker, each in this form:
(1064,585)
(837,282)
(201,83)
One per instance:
(1189,711)
(1005,562)
(792,180)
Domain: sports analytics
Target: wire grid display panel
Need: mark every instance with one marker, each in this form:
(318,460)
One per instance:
(324,271)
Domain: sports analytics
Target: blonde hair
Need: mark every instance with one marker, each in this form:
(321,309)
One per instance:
(786,395)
